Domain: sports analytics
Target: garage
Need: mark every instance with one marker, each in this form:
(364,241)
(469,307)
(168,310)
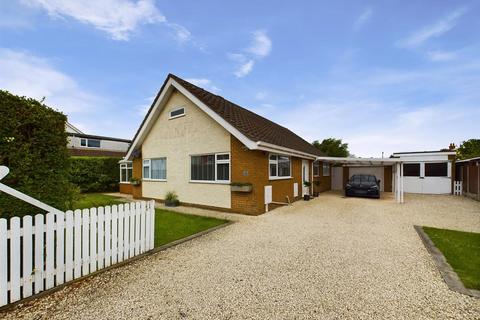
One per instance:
(428,172)
(387,170)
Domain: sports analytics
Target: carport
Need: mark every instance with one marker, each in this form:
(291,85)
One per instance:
(394,168)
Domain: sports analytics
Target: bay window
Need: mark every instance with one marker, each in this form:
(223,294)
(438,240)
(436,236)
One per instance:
(155,169)
(210,167)
(126,172)
(279,166)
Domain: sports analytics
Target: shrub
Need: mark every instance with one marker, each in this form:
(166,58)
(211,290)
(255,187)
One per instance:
(33,144)
(95,174)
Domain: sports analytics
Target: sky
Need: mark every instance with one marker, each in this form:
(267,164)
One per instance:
(384,76)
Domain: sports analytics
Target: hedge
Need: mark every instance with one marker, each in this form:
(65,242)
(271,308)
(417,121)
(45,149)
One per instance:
(95,174)
(33,144)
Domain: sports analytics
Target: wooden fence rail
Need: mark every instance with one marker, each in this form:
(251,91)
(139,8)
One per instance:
(41,252)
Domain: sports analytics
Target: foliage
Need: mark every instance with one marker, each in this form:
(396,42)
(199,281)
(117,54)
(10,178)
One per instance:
(90,200)
(95,174)
(462,251)
(332,147)
(171,226)
(171,196)
(469,149)
(33,144)
(135,181)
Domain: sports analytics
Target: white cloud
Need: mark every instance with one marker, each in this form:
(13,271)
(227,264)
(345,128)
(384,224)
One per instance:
(261,44)
(363,18)
(25,74)
(118,18)
(260,47)
(435,30)
(439,56)
(244,69)
(204,83)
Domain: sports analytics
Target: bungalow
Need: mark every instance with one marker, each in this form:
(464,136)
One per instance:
(81,144)
(216,154)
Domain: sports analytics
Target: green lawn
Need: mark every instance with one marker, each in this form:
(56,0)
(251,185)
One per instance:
(89,200)
(462,251)
(169,225)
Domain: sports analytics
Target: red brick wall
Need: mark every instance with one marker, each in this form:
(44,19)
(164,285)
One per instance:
(251,166)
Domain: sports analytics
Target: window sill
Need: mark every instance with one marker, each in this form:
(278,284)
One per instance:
(124,182)
(155,180)
(210,182)
(175,117)
(279,178)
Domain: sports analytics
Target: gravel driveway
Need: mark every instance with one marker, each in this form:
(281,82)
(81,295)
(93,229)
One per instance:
(330,258)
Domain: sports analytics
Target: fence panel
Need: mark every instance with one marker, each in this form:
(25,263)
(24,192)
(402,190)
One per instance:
(60,247)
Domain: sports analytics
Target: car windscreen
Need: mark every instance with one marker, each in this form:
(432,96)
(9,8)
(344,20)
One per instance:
(363,179)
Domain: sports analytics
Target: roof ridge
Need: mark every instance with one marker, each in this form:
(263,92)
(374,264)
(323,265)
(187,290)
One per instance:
(224,100)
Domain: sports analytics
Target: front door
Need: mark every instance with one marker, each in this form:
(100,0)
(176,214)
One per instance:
(305,177)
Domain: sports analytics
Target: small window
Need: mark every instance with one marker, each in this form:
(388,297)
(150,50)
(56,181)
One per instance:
(326,169)
(210,167)
(177,113)
(146,169)
(316,168)
(155,169)
(126,172)
(279,166)
(91,143)
(411,169)
(436,169)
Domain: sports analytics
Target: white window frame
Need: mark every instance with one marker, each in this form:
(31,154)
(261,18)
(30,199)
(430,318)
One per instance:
(270,161)
(86,143)
(326,165)
(177,116)
(316,163)
(149,160)
(126,165)
(216,163)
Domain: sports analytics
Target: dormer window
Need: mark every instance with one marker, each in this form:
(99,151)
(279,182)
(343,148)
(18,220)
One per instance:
(177,112)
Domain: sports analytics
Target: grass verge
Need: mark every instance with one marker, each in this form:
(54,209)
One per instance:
(462,251)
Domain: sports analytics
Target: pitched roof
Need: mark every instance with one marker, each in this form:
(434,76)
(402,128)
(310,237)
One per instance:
(250,124)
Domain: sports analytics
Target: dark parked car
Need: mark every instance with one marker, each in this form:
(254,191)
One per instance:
(364,185)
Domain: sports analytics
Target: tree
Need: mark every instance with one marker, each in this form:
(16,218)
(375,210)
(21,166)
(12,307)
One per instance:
(469,149)
(33,144)
(332,147)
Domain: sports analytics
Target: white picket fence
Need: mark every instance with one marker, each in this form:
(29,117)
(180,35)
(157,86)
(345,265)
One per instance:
(457,188)
(41,252)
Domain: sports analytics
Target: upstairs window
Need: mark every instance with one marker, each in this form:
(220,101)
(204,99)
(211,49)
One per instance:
(91,143)
(126,172)
(436,169)
(279,166)
(210,168)
(178,112)
(326,169)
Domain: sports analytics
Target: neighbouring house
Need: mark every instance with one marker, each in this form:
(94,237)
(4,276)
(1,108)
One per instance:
(81,144)
(468,172)
(216,154)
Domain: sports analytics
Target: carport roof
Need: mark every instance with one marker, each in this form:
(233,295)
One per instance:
(361,161)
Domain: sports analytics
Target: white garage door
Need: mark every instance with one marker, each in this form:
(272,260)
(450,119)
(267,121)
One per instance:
(376,171)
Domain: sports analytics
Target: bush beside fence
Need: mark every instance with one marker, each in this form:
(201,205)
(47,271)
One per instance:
(95,174)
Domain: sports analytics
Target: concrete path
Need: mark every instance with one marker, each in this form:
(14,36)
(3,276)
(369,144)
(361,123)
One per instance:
(330,258)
